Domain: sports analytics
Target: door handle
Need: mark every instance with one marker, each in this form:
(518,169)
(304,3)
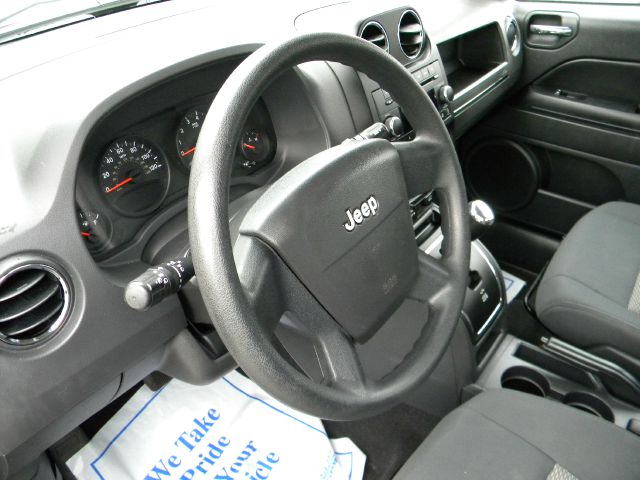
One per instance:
(558,31)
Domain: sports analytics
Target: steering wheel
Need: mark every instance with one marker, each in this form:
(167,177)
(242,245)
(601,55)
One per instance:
(327,254)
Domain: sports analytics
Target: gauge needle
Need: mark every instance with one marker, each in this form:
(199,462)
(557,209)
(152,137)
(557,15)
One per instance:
(250,147)
(191,150)
(122,183)
(85,234)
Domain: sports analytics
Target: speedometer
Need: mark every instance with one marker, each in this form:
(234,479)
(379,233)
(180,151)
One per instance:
(133,175)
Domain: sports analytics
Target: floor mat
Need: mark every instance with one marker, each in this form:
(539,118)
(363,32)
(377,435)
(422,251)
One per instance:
(513,285)
(230,429)
(388,440)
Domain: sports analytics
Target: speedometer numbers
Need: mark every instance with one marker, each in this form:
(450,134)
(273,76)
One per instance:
(133,176)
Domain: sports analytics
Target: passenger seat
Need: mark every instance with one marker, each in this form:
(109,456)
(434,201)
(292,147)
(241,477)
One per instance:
(590,293)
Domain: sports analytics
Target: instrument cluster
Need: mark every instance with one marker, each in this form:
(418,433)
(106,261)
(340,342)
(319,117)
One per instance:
(131,176)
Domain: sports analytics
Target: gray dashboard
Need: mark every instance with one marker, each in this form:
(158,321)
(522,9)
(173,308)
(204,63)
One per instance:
(59,92)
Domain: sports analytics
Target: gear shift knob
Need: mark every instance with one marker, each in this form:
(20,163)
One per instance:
(482,218)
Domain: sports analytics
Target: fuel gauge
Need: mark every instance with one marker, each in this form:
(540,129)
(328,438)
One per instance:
(95,230)
(256,148)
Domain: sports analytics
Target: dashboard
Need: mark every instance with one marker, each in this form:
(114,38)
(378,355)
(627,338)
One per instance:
(96,171)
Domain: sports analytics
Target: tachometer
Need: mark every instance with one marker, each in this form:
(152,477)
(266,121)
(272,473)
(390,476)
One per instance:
(133,175)
(187,135)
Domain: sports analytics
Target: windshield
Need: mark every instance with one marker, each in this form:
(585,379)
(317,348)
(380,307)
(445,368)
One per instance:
(20,18)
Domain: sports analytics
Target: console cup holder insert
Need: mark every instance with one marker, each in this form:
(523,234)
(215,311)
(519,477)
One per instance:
(589,403)
(527,380)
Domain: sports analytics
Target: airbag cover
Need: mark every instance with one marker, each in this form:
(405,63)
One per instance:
(340,221)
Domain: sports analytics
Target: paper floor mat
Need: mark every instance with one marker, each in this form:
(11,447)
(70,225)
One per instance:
(228,430)
(513,285)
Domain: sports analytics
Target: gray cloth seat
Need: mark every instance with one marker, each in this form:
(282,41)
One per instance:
(590,293)
(503,434)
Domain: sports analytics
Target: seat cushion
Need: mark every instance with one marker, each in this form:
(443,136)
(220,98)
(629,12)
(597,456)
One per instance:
(590,293)
(503,434)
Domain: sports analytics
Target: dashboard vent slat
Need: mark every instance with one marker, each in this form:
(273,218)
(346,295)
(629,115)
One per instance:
(19,283)
(27,301)
(33,321)
(374,32)
(411,29)
(411,34)
(34,301)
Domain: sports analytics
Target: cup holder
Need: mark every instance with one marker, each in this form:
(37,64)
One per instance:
(589,403)
(527,380)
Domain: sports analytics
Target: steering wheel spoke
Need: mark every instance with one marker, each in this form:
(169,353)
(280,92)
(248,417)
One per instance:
(421,161)
(318,346)
(299,326)
(433,285)
(341,364)
(259,270)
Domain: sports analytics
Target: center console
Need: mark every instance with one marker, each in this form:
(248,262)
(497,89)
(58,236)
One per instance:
(414,49)
(485,299)
(430,75)
(465,68)
(463,75)
(532,369)
(450,72)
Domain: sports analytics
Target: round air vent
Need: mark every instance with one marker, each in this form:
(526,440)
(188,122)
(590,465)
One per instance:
(34,302)
(411,34)
(374,33)
(513,34)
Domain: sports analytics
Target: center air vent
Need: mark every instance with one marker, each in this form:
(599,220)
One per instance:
(374,33)
(34,302)
(411,34)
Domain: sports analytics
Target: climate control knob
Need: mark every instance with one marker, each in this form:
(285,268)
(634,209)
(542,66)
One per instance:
(445,94)
(394,125)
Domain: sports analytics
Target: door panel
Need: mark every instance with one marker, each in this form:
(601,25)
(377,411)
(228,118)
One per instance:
(574,121)
(602,92)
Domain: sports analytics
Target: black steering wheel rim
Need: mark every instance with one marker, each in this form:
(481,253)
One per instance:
(232,314)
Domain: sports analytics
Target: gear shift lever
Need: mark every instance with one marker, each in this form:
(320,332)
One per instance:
(482,218)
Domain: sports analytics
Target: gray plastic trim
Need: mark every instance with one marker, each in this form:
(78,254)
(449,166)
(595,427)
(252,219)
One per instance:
(517,42)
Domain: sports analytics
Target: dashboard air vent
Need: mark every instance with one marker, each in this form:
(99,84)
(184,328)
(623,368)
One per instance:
(34,302)
(411,34)
(374,33)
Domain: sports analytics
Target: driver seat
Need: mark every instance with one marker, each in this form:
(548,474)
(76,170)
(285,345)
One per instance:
(504,434)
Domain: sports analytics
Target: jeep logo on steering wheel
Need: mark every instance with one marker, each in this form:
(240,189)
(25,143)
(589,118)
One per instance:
(368,209)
